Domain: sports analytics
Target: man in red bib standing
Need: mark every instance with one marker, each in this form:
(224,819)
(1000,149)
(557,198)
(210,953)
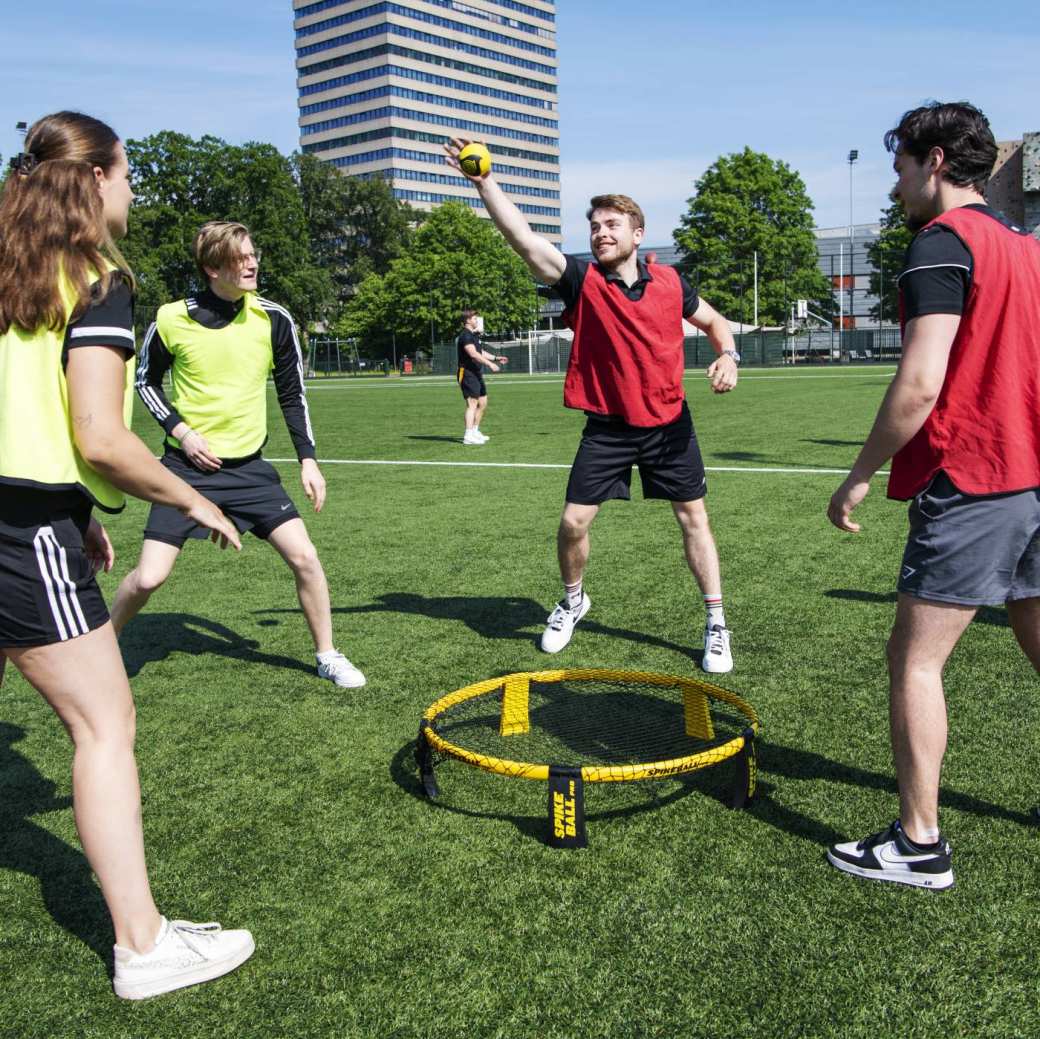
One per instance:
(961,423)
(625,373)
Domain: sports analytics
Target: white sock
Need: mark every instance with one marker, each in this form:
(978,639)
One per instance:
(713,604)
(573,594)
(329,654)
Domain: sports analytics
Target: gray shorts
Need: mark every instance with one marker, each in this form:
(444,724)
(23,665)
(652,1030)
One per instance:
(971,550)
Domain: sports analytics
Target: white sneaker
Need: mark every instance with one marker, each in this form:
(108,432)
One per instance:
(184,954)
(341,671)
(717,659)
(472,437)
(561,624)
(484,438)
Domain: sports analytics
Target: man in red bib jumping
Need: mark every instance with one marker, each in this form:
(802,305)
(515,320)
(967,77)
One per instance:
(625,373)
(961,423)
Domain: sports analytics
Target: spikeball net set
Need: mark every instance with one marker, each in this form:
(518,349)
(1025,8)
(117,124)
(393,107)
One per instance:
(589,725)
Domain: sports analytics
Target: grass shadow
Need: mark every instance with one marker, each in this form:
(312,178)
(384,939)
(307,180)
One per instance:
(832,443)
(67,886)
(153,637)
(782,762)
(986,614)
(497,617)
(436,439)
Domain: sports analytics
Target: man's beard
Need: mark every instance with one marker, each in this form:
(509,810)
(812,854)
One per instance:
(621,258)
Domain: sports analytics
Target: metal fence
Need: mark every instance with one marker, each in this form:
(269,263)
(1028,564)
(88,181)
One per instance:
(545,353)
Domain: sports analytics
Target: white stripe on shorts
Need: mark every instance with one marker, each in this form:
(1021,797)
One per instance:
(61,590)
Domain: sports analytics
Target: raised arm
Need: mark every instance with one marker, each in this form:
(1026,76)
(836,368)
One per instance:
(543,259)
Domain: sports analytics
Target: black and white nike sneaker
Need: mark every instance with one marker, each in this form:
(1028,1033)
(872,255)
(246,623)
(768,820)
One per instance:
(891,855)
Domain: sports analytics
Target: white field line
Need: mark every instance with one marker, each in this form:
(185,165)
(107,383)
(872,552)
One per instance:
(437,382)
(555,465)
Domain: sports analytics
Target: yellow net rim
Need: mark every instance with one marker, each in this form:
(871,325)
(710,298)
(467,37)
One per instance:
(591,773)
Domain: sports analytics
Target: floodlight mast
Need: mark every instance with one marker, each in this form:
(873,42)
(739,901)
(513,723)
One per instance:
(853,156)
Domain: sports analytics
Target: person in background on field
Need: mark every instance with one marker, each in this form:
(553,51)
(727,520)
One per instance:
(473,358)
(625,373)
(961,423)
(66,389)
(220,346)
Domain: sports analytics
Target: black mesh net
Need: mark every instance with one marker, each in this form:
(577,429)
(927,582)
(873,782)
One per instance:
(610,725)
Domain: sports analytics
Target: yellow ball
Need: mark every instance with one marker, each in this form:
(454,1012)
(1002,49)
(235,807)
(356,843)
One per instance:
(475,160)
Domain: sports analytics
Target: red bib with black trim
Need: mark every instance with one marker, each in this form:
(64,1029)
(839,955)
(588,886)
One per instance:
(984,430)
(627,355)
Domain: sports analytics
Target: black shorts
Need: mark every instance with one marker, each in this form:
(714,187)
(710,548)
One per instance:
(249,491)
(471,384)
(669,461)
(48,592)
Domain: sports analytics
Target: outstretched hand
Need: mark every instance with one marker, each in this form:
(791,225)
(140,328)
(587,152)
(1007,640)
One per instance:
(221,530)
(452,149)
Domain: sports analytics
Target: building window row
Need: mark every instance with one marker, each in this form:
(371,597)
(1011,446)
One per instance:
(474,203)
(393,49)
(408,134)
(438,159)
(401,173)
(393,112)
(423,37)
(545,16)
(424,77)
(429,99)
(430,19)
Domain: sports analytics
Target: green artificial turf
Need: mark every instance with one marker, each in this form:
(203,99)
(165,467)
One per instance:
(277,802)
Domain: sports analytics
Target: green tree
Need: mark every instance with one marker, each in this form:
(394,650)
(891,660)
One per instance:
(886,259)
(455,260)
(180,183)
(356,226)
(747,203)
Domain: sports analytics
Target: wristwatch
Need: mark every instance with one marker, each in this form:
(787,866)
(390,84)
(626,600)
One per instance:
(733,354)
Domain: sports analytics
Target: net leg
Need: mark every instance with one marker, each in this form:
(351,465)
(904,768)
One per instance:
(424,759)
(696,714)
(566,808)
(745,773)
(515,698)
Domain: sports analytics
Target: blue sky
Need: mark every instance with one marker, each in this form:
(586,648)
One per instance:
(651,93)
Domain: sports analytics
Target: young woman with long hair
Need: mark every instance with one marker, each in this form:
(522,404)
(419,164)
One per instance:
(66,379)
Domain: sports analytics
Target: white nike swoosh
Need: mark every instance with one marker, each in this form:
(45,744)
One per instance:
(886,855)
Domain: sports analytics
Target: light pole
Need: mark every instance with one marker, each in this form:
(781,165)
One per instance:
(853,156)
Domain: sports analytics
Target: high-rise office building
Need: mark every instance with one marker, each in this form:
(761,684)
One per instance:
(382,85)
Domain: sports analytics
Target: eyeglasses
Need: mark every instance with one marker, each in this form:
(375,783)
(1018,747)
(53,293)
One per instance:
(245,259)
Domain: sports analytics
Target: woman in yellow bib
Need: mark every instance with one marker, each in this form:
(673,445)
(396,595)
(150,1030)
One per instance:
(66,381)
